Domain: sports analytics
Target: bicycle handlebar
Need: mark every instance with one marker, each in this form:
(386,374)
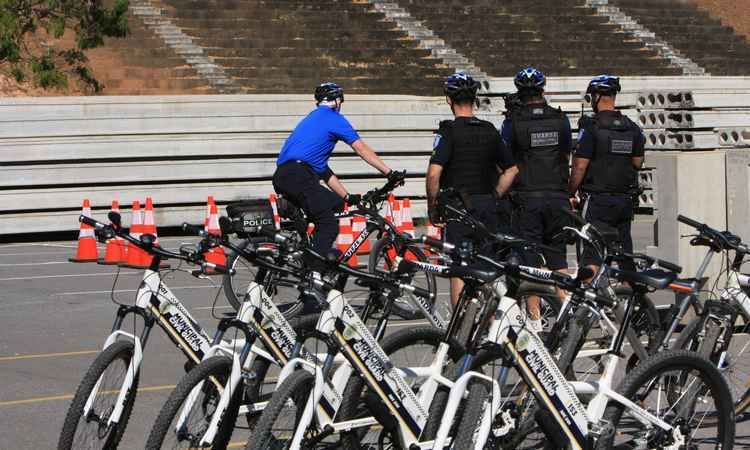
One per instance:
(721,239)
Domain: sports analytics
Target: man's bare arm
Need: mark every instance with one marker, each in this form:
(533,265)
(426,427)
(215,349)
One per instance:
(576,174)
(335,184)
(433,183)
(638,162)
(505,181)
(368,154)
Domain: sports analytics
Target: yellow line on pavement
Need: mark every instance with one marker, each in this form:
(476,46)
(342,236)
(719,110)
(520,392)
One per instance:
(70,396)
(236,444)
(46,355)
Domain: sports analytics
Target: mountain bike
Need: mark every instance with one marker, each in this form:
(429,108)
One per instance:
(184,420)
(721,328)
(103,402)
(688,384)
(389,243)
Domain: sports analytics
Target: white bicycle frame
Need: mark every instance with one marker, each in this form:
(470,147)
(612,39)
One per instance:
(559,395)
(154,297)
(364,353)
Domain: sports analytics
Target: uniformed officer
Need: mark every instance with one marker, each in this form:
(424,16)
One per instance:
(540,139)
(469,156)
(607,158)
(303,163)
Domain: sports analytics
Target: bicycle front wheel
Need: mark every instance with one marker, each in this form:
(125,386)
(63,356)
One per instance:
(106,376)
(277,425)
(680,388)
(203,385)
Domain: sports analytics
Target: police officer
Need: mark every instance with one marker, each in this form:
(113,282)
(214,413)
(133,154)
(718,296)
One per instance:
(607,158)
(303,163)
(469,156)
(540,139)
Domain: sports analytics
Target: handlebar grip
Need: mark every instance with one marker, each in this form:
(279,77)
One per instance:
(606,301)
(574,215)
(669,266)
(444,246)
(197,230)
(689,222)
(90,222)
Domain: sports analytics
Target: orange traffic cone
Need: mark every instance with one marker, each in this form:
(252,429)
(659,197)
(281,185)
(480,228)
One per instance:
(86,251)
(136,255)
(407,223)
(397,215)
(208,212)
(149,227)
(274,206)
(345,238)
(215,255)
(116,252)
(387,210)
(358,226)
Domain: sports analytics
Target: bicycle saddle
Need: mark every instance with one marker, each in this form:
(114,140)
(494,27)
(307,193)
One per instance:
(476,273)
(527,288)
(655,278)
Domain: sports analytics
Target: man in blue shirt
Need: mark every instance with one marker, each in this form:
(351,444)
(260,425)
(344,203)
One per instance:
(303,163)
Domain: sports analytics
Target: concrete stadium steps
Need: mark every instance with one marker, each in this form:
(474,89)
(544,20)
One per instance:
(142,64)
(559,37)
(292,45)
(694,32)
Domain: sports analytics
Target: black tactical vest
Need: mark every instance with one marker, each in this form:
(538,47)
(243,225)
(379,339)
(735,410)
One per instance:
(611,169)
(472,167)
(537,133)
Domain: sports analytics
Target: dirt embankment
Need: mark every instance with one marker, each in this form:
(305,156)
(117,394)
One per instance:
(734,13)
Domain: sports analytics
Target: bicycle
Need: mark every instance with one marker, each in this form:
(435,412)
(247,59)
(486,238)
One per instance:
(95,412)
(521,349)
(261,322)
(721,329)
(389,243)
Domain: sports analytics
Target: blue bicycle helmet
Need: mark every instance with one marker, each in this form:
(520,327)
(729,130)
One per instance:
(461,87)
(604,85)
(328,91)
(530,79)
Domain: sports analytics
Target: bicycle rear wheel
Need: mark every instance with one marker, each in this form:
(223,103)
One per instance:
(107,374)
(680,388)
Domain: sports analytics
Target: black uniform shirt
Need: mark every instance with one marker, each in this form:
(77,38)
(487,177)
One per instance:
(442,148)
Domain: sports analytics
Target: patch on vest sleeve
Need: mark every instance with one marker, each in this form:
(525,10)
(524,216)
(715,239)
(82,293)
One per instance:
(544,138)
(621,147)
(436,142)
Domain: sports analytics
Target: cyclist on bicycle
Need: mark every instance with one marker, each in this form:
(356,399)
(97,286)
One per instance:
(469,156)
(609,153)
(303,163)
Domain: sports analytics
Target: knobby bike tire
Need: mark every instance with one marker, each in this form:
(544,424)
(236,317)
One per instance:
(259,369)
(214,368)
(297,389)
(474,407)
(688,341)
(667,362)
(119,350)
(358,401)
(380,249)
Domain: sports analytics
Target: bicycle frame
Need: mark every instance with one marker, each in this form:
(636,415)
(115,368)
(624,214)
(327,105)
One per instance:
(362,351)
(155,303)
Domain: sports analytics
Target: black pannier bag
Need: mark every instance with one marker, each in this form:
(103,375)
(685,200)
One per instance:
(249,216)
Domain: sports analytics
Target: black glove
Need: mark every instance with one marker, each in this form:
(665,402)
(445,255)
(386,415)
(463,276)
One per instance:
(435,215)
(352,199)
(395,176)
